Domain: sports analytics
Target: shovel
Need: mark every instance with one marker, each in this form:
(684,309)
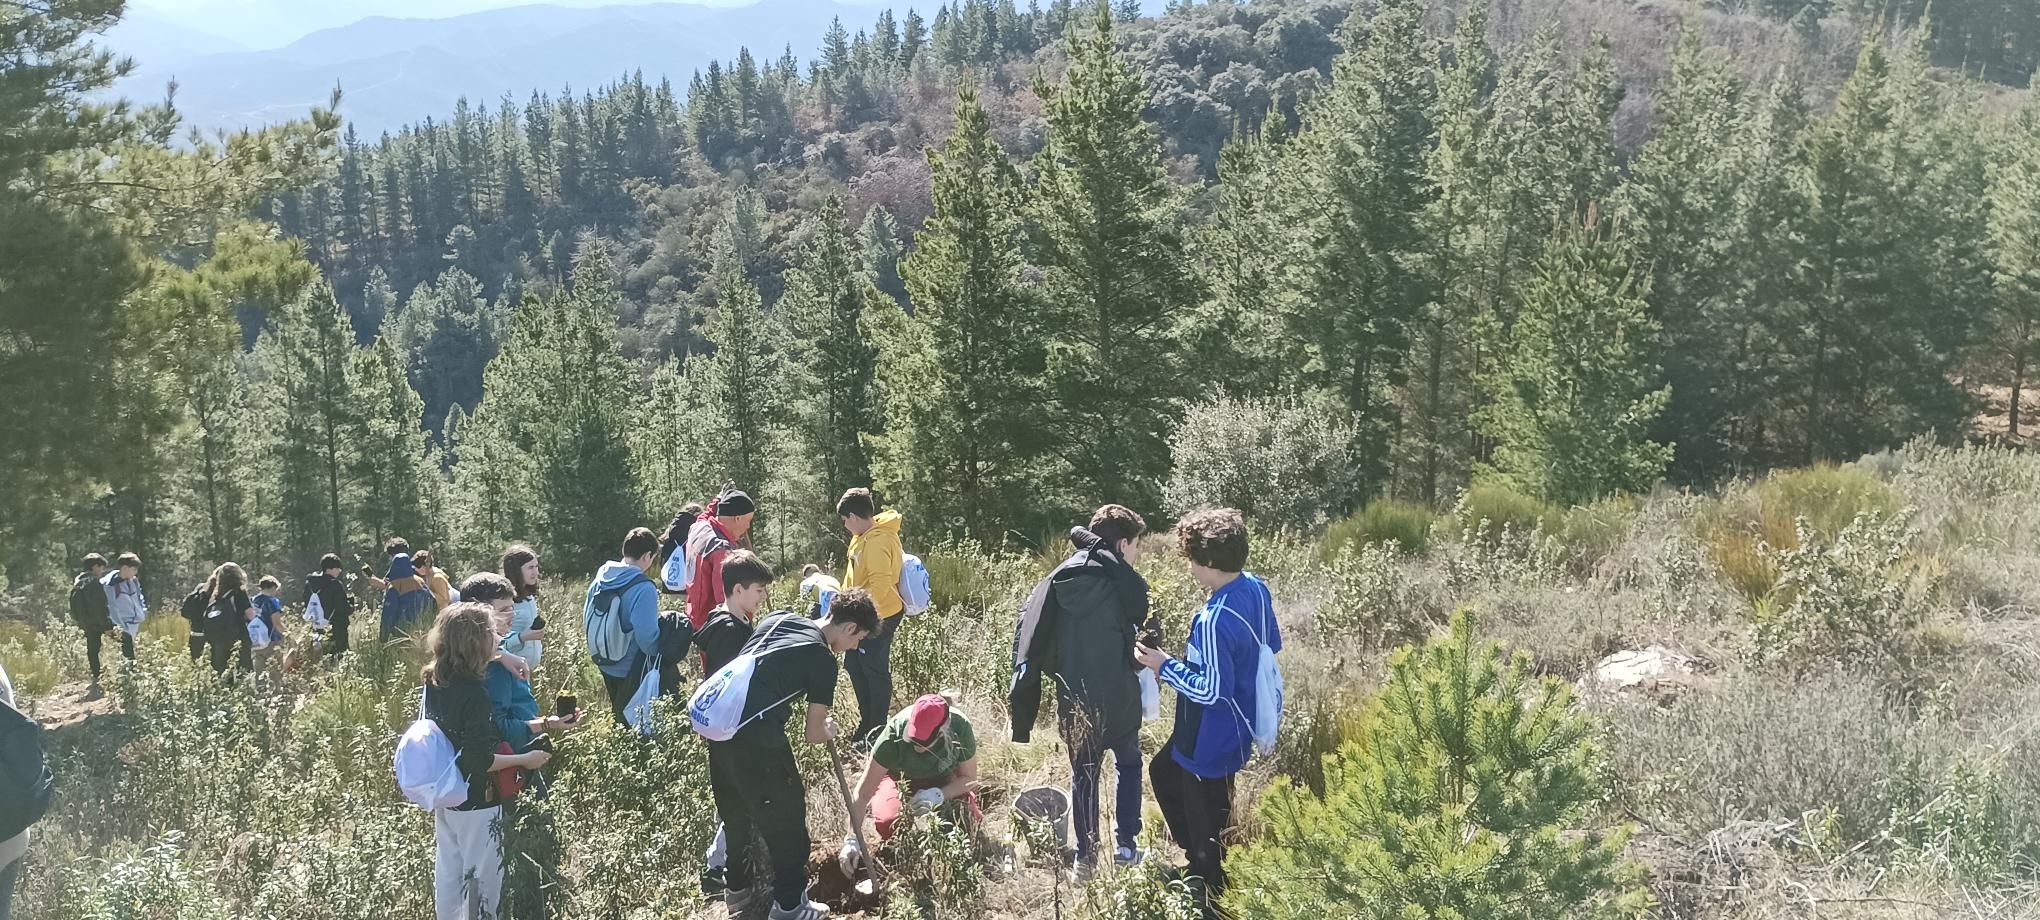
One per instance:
(868,887)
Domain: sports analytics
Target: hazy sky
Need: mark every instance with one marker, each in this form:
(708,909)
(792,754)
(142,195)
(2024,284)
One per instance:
(270,23)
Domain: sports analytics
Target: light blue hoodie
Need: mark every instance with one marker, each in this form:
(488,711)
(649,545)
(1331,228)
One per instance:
(640,610)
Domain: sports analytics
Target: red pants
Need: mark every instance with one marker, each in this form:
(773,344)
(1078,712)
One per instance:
(886,804)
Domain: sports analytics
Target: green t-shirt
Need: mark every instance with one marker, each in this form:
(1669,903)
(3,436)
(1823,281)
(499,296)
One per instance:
(896,754)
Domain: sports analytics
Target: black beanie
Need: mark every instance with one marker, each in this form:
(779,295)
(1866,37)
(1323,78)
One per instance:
(734,503)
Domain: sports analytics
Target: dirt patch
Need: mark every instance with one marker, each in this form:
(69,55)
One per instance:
(68,705)
(830,886)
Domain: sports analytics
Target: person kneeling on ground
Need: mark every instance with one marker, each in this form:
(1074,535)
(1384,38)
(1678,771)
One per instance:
(757,784)
(931,750)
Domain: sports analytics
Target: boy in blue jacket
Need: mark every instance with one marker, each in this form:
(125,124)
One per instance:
(1193,774)
(629,578)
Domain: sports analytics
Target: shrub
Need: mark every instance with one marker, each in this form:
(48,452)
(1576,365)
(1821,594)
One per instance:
(1501,506)
(1854,597)
(1777,749)
(943,864)
(1384,520)
(1283,464)
(1827,497)
(32,673)
(1467,793)
(1490,555)
(1374,603)
(1142,892)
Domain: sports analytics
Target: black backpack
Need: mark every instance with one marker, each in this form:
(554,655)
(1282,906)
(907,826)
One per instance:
(88,605)
(193,608)
(25,779)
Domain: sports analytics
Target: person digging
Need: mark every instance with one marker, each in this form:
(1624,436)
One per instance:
(929,749)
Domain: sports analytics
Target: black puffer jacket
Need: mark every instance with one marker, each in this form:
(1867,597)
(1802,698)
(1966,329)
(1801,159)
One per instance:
(1101,603)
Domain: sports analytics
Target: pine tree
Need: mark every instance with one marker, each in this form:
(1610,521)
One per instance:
(880,239)
(400,492)
(961,376)
(378,305)
(546,456)
(1576,393)
(2015,250)
(312,404)
(447,334)
(1679,210)
(1471,790)
(827,294)
(743,375)
(1876,315)
(1437,446)
(914,38)
(1360,177)
(1246,258)
(1116,272)
(586,481)
(675,464)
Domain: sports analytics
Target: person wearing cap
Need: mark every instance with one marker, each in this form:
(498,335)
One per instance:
(930,749)
(720,529)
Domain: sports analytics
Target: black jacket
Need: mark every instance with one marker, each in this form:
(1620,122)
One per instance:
(333,596)
(462,710)
(1095,607)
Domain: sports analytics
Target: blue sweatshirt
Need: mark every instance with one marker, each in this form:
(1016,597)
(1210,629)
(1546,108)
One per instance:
(640,610)
(511,705)
(1214,680)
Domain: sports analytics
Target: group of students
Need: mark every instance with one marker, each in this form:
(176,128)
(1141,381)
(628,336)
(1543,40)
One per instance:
(108,603)
(1087,628)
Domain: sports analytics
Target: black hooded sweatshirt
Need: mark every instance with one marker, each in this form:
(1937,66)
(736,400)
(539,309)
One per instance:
(1096,607)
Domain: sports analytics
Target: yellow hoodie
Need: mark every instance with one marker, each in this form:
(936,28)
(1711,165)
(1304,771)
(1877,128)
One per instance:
(875,563)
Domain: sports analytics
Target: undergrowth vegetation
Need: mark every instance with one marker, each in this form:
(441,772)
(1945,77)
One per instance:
(1852,725)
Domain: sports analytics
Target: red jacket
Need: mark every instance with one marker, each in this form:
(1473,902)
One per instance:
(709,544)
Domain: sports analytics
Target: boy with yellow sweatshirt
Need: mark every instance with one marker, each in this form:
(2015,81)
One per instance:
(874,565)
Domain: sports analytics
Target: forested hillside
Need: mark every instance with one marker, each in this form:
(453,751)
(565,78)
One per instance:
(1009,263)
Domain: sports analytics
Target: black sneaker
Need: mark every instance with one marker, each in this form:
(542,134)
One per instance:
(713,882)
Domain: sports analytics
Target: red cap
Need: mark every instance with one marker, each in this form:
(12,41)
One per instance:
(925,718)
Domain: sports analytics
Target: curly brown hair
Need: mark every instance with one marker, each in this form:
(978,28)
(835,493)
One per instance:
(1215,538)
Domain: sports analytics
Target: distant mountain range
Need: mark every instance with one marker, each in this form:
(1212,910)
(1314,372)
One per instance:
(394,71)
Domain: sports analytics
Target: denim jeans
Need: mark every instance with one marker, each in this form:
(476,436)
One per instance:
(1087,763)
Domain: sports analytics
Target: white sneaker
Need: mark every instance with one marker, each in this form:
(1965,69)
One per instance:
(812,910)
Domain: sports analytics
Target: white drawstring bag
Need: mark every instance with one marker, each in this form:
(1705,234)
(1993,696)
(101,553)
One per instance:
(638,712)
(427,766)
(258,634)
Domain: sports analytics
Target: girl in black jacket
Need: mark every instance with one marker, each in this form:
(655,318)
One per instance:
(468,869)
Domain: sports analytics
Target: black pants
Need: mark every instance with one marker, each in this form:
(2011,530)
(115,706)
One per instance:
(870,669)
(222,644)
(759,794)
(197,645)
(1197,812)
(336,637)
(92,647)
(621,689)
